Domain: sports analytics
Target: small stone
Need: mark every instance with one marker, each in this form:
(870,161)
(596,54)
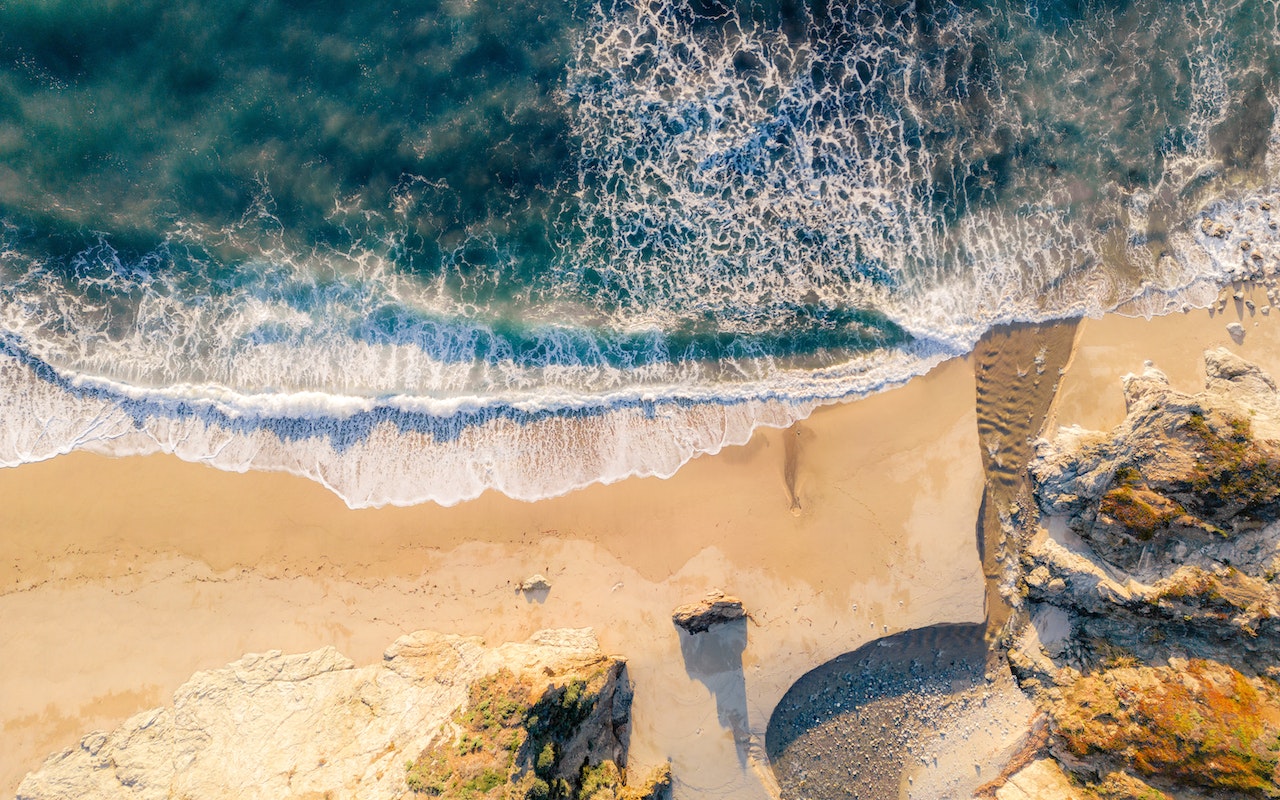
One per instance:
(1214,228)
(714,609)
(1236,331)
(535,583)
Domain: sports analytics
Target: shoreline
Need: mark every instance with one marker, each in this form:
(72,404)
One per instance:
(438,451)
(853,524)
(152,568)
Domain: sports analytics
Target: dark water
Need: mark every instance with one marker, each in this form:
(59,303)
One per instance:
(577,207)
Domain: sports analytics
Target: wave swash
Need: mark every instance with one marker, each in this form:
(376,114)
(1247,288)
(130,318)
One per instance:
(529,247)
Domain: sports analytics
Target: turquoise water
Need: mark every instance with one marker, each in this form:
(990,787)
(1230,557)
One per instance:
(534,245)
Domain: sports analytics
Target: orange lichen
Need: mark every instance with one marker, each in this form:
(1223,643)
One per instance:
(1206,725)
(1123,786)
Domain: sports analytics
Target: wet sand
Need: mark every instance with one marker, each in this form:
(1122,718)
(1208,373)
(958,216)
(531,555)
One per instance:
(1019,369)
(121,577)
(934,713)
(1108,348)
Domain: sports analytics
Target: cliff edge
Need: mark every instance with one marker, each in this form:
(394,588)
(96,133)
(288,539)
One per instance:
(441,715)
(1148,581)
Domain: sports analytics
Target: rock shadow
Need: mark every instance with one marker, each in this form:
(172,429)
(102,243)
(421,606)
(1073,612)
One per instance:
(714,659)
(532,596)
(847,729)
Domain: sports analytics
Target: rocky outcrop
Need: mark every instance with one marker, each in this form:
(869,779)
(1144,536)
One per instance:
(716,608)
(314,725)
(1198,724)
(1149,584)
(1043,779)
(1175,517)
(535,583)
(1199,470)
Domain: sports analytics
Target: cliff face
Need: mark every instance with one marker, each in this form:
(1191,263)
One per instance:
(1149,582)
(315,726)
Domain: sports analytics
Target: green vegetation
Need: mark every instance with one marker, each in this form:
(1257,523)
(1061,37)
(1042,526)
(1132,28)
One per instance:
(1206,726)
(601,779)
(509,745)
(1235,468)
(1128,475)
(1141,511)
(1233,473)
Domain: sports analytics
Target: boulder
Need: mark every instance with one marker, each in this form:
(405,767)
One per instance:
(1039,780)
(315,725)
(715,609)
(535,583)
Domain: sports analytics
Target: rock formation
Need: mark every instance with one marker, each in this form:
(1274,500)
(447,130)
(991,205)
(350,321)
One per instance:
(1043,779)
(545,718)
(714,609)
(1148,579)
(535,583)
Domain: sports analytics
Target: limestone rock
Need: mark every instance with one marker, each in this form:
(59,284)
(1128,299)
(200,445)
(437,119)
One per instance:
(1175,511)
(714,609)
(1042,779)
(1149,582)
(535,583)
(1181,471)
(314,725)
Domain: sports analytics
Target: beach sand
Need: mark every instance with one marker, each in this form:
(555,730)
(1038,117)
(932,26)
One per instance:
(121,577)
(1114,345)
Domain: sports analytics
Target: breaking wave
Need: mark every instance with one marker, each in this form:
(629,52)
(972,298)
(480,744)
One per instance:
(531,247)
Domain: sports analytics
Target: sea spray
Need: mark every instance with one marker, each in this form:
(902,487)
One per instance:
(531,248)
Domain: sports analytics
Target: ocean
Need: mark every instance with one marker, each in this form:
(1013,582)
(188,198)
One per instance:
(420,250)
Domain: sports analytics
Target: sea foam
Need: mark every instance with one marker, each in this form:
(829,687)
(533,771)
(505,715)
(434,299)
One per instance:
(765,219)
(405,450)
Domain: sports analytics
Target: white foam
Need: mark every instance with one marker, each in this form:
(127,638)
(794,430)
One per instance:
(527,459)
(710,196)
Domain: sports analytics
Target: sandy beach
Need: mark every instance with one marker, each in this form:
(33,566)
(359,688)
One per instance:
(855,523)
(520,326)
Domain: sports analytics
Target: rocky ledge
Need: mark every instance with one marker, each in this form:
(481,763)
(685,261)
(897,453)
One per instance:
(716,608)
(440,716)
(1147,580)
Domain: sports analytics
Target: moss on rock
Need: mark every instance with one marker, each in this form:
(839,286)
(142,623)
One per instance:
(1236,470)
(1205,725)
(1141,511)
(511,741)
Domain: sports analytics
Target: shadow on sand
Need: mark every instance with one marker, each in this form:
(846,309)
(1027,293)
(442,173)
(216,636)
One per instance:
(845,729)
(714,659)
